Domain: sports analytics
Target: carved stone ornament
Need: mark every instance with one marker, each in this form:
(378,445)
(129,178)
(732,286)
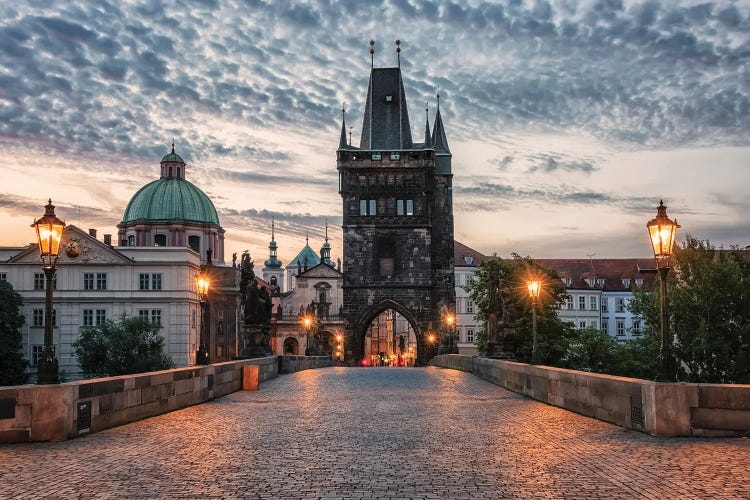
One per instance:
(72,249)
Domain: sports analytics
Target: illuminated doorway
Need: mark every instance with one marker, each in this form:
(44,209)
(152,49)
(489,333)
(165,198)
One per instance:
(390,341)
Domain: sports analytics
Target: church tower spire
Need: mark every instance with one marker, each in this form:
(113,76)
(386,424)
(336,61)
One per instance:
(427,138)
(273,273)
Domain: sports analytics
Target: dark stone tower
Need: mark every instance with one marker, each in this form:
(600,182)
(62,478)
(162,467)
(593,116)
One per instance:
(398,218)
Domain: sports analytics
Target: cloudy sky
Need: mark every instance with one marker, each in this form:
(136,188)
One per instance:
(568,120)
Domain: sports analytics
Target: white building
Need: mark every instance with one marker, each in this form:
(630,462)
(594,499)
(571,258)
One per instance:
(102,283)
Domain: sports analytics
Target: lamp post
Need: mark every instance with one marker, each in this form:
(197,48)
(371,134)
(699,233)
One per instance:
(202,284)
(450,321)
(48,235)
(431,340)
(662,232)
(307,323)
(535,288)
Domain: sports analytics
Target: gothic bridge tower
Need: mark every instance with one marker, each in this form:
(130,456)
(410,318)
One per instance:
(397,218)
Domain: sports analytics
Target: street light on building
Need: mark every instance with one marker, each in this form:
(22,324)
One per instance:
(663,232)
(535,289)
(49,231)
(202,283)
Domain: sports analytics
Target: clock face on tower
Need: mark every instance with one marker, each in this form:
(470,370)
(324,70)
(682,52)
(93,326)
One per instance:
(72,249)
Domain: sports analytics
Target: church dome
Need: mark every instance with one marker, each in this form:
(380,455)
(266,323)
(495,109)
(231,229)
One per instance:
(173,157)
(171,198)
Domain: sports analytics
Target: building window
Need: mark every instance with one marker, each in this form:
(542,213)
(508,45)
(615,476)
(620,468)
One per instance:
(592,303)
(37,318)
(592,324)
(469,277)
(156,316)
(160,240)
(409,207)
(36,353)
(88,317)
(362,207)
(3,276)
(101,281)
(637,327)
(581,302)
(620,327)
(101,317)
(470,335)
(38,281)
(399,207)
(582,324)
(194,242)
(469,307)
(156,281)
(373,207)
(143,281)
(131,241)
(605,325)
(143,314)
(88,281)
(569,301)
(604,305)
(458,279)
(620,305)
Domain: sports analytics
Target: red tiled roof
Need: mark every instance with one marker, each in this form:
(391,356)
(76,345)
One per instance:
(461,252)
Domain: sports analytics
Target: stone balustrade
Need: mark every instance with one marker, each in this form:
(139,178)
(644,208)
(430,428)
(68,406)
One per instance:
(660,409)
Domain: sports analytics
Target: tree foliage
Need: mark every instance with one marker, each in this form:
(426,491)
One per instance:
(130,345)
(503,306)
(709,312)
(12,363)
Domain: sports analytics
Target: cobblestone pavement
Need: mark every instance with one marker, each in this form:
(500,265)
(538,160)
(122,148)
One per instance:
(375,433)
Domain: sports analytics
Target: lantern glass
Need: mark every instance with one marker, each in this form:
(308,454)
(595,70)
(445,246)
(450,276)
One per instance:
(535,287)
(49,231)
(201,285)
(662,232)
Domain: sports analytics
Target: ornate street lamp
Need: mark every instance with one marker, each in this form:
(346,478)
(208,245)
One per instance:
(450,322)
(535,289)
(49,231)
(307,324)
(202,284)
(663,232)
(339,347)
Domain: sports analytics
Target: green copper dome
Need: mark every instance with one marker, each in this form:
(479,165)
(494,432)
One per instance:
(171,198)
(172,157)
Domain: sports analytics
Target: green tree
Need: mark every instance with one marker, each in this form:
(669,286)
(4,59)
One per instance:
(709,312)
(130,345)
(12,363)
(502,300)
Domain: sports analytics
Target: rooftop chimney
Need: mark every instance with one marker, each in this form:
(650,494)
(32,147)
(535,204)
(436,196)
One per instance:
(92,233)
(108,239)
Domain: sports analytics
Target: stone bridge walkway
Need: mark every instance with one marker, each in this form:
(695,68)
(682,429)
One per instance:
(375,433)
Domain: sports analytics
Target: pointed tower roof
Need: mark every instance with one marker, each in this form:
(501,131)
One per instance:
(440,144)
(386,122)
(325,250)
(342,140)
(439,140)
(272,262)
(427,138)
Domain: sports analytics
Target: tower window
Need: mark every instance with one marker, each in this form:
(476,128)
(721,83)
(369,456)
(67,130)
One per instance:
(389,98)
(131,241)
(178,172)
(395,156)
(399,207)
(373,207)
(362,207)
(170,171)
(160,240)
(409,207)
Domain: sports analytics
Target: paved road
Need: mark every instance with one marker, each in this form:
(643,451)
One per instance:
(375,433)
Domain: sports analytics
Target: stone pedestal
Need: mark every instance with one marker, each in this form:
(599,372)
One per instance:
(257,341)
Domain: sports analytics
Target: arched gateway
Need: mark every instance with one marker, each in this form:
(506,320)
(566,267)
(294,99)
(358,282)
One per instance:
(397,218)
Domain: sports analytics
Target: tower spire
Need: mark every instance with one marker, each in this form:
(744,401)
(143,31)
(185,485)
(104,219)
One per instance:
(372,54)
(427,137)
(172,145)
(342,139)
(398,52)
(273,229)
(326,230)
(440,143)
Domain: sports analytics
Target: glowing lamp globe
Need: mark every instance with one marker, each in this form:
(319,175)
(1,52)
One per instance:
(49,231)
(662,231)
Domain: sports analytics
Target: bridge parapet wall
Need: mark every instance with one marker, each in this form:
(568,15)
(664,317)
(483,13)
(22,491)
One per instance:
(291,364)
(660,409)
(64,411)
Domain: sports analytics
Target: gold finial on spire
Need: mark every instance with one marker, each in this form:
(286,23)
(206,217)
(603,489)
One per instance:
(372,53)
(398,52)
(172,145)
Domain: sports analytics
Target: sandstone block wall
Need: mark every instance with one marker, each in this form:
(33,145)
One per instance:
(661,409)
